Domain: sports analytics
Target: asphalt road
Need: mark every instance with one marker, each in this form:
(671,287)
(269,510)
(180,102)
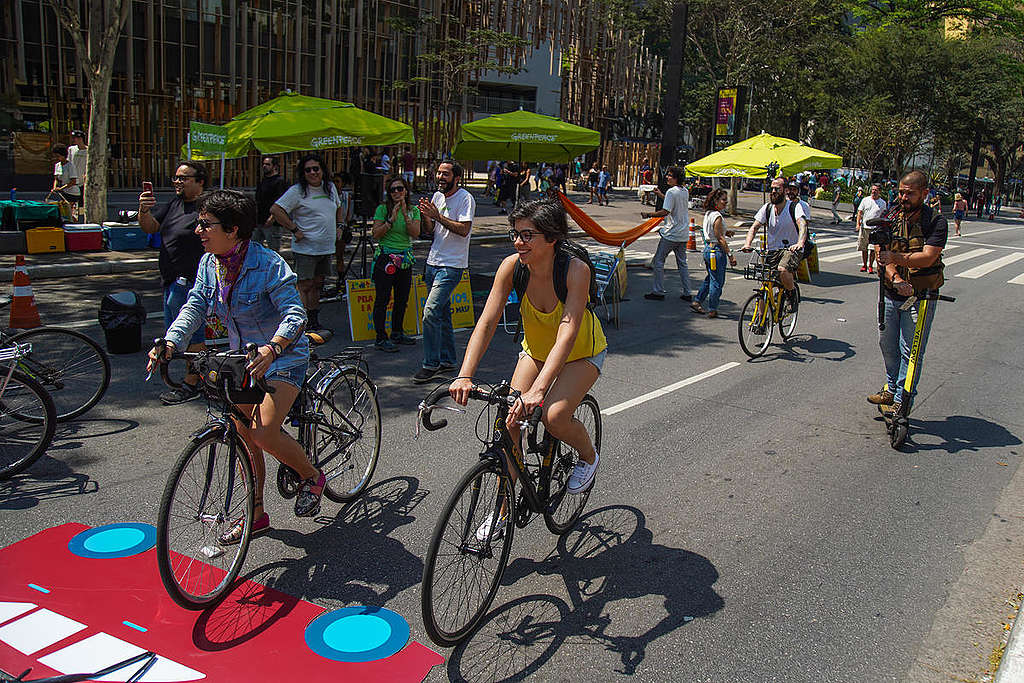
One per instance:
(753,525)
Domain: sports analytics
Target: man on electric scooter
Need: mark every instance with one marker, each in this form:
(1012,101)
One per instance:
(911,272)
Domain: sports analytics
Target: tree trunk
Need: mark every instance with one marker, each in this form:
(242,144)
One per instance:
(98,150)
(734,185)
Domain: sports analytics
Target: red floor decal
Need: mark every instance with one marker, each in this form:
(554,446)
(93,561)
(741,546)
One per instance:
(63,613)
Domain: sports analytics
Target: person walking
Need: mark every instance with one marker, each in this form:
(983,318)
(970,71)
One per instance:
(409,167)
(674,231)
(269,190)
(604,181)
(716,251)
(78,154)
(180,252)
(837,191)
(508,177)
(959,211)
(857,199)
(65,179)
(396,224)
(935,202)
(592,177)
(311,211)
(870,207)
(451,211)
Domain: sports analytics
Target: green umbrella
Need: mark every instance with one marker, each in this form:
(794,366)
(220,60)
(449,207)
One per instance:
(751,158)
(293,122)
(524,136)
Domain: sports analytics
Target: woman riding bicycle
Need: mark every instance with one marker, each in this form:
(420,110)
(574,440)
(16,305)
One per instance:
(252,290)
(563,344)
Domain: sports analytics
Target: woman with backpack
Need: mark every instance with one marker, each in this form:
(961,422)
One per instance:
(396,223)
(563,345)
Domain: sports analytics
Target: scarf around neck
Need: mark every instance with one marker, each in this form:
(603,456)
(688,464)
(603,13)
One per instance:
(229,266)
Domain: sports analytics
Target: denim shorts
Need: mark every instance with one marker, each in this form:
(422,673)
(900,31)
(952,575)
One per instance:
(292,374)
(175,296)
(597,361)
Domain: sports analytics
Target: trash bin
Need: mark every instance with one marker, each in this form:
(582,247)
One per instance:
(121,317)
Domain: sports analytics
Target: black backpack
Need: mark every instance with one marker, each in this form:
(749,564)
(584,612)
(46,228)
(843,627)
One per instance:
(564,252)
(808,245)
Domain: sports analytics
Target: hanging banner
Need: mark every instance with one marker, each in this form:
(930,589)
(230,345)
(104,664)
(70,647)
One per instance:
(461,301)
(728,116)
(206,137)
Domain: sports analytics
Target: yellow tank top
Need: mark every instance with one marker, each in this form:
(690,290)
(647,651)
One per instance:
(540,330)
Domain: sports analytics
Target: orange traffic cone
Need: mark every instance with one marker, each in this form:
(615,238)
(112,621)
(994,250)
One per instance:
(691,244)
(24,314)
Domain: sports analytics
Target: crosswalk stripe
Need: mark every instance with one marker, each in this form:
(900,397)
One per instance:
(855,254)
(973,253)
(1019,280)
(986,268)
(835,247)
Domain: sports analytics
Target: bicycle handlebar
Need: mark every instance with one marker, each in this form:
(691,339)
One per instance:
(248,354)
(502,394)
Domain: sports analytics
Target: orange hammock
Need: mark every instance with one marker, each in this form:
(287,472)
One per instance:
(612,239)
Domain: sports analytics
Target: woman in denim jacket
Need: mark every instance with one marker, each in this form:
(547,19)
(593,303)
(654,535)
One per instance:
(252,291)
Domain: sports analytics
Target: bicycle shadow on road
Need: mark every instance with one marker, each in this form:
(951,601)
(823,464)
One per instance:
(351,558)
(955,434)
(47,479)
(804,348)
(69,435)
(612,572)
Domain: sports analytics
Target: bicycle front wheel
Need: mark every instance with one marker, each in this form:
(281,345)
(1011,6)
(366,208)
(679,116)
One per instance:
(27,423)
(563,508)
(210,489)
(345,440)
(788,314)
(465,560)
(72,367)
(756,323)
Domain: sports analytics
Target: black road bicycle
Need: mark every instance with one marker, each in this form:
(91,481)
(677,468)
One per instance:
(337,417)
(466,557)
(27,415)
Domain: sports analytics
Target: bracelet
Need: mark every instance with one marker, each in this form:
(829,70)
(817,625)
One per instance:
(276,348)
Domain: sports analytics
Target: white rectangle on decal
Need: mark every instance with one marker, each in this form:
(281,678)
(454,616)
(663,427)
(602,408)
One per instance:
(9,610)
(102,650)
(38,630)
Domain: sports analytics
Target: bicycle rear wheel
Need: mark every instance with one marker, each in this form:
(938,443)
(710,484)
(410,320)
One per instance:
(564,509)
(27,423)
(207,491)
(788,315)
(349,435)
(462,571)
(756,323)
(72,367)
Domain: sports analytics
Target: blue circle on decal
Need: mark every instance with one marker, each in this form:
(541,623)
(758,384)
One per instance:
(357,634)
(114,540)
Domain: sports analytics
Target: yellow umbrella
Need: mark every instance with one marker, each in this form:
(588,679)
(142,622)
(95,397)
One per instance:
(751,158)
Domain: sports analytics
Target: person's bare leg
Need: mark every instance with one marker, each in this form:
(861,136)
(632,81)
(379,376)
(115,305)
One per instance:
(192,378)
(526,372)
(561,402)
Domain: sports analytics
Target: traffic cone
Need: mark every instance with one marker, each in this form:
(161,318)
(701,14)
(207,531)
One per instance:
(24,314)
(691,244)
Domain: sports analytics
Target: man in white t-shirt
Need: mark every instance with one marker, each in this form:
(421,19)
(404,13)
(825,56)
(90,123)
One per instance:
(786,233)
(66,181)
(451,212)
(674,232)
(77,152)
(311,211)
(869,207)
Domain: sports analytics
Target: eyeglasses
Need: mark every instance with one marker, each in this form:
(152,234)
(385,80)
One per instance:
(181,178)
(525,235)
(205,225)
(311,169)
(396,188)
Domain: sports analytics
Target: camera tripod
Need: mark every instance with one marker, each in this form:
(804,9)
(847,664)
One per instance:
(363,247)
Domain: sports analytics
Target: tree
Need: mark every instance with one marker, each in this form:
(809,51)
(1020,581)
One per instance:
(95,49)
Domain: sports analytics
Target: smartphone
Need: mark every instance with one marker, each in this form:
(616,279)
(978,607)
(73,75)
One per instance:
(147,186)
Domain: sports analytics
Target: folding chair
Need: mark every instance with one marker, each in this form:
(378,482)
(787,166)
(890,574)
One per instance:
(606,265)
(510,325)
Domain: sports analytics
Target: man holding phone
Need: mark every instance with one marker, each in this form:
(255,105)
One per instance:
(180,251)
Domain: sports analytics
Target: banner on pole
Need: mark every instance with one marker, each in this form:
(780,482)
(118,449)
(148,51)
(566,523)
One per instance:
(206,137)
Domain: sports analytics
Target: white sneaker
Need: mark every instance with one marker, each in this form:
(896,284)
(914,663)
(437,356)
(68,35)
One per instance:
(485,529)
(582,477)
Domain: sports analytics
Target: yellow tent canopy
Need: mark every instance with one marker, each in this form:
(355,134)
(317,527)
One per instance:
(751,158)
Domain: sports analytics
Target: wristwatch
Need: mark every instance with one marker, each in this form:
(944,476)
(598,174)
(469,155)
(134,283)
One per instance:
(278,349)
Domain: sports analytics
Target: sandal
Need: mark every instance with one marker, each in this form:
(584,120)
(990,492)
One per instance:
(712,314)
(234,534)
(307,503)
(697,308)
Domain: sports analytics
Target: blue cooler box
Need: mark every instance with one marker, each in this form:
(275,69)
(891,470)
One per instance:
(125,237)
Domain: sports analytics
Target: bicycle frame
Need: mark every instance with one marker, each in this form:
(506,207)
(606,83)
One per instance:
(506,451)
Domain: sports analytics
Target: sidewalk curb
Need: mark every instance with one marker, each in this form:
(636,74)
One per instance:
(1011,666)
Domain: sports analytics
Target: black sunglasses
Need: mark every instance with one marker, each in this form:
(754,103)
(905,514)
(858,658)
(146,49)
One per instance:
(396,188)
(312,169)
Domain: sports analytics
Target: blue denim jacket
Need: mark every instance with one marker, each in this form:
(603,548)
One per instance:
(264,303)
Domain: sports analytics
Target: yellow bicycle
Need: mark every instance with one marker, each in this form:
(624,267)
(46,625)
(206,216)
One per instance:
(767,306)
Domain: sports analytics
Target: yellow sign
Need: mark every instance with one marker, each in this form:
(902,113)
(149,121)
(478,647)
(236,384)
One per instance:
(361,297)
(461,301)
(725,114)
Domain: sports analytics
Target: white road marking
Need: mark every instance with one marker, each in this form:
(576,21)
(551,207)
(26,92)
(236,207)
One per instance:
(1019,280)
(625,405)
(986,232)
(101,650)
(973,253)
(835,247)
(994,264)
(984,244)
(855,254)
(38,630)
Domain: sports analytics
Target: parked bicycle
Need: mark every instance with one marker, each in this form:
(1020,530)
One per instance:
(211,486)
(767,306)
(27,415)
(72,367)
(468,550)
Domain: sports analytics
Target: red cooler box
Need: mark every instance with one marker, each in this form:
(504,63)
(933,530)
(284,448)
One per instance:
(83,237)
